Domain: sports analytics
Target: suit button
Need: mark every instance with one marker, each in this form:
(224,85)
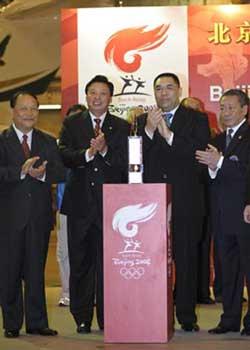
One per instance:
(29,195)
(92,184)
(95,169)
(164,176)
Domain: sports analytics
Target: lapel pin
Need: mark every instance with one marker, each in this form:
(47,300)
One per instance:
(110,128)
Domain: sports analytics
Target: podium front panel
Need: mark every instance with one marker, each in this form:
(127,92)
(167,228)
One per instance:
(138,304)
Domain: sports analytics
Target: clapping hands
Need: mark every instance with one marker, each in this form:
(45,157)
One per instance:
(29,169)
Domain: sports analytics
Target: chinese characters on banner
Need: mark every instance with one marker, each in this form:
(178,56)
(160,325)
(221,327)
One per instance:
(219,53)
(222,33)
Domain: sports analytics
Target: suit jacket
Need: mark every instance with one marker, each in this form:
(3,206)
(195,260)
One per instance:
(27,199)
(230,188)
(83,191)
(176,164)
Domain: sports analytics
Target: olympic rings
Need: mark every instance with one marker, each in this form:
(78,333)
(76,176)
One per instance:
(132,272)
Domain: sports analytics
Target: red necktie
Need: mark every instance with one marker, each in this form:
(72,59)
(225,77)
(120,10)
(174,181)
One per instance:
(25,146)
(97,126)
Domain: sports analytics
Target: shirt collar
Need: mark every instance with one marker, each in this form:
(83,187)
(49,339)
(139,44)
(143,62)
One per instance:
(236,127)
(173,111)
(102,117)
(20,134)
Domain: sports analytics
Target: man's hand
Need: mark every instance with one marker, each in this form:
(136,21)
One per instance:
(210,157)
(164,129)
(153,119)
(28,164)
(38,172)
(91,152)
(246,214)
(99,143)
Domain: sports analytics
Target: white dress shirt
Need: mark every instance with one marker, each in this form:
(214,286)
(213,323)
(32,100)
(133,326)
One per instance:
(93,117)
(29,141)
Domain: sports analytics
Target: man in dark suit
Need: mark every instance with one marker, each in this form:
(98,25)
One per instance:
(203,276)
(93,145)
(228,162)
(29,164)
(171,135)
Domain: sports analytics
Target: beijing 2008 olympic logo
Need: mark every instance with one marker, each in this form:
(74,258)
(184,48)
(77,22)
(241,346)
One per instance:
(126,221)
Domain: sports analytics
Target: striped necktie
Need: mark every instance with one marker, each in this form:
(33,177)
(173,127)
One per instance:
(97,126)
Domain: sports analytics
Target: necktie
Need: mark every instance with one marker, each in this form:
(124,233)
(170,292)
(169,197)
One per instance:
(25,146)
(168,118)
(97,126)
(229,137)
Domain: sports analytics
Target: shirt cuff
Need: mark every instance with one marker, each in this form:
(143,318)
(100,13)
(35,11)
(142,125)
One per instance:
(213,173)
(103,154)
(23,176)
(42,178)
(149,134)
(87,156)
(170,139)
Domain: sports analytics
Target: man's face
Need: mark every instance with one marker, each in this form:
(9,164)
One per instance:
(25,113)
(231,112)
(98,98)
(167,93)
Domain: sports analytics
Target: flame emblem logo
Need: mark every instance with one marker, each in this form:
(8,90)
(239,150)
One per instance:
(126,219)
(123,47)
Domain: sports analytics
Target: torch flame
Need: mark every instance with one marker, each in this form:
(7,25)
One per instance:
(128,42)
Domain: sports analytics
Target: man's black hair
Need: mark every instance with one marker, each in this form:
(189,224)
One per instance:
(100,79)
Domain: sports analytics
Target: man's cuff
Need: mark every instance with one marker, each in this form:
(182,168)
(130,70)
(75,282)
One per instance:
(42,178)
(213,173)
(88,157)
(170,139)
(220,161)
(103,154)
(149,134)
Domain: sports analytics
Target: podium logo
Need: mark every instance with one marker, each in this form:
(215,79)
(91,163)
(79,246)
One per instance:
(126,221)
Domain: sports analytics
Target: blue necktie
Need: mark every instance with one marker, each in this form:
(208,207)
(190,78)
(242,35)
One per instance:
(168,118)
